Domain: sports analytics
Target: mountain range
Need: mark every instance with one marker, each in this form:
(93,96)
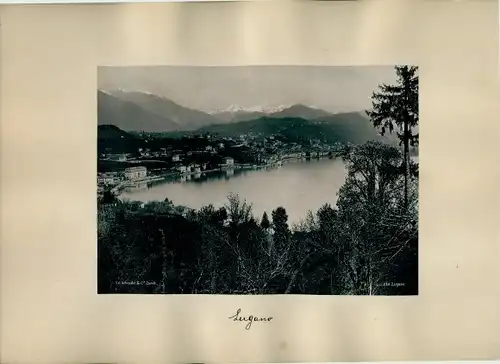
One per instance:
(138,111)
(259,108)
(237,113)
(141,111)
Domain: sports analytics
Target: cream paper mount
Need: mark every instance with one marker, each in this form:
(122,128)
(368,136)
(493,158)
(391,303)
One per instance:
(52,57)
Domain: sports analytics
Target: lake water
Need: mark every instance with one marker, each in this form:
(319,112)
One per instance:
(297,186)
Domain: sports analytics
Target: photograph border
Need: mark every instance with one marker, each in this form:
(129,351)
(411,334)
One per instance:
(49,307)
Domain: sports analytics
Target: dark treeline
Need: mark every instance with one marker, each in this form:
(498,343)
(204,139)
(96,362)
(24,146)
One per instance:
(367,243)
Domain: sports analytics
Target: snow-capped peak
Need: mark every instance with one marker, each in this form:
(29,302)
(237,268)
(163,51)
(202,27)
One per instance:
(278,108)
(238,108)
(127,91)
(107,92)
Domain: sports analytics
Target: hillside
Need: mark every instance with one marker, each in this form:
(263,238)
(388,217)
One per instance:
(347,127)
(129,116)
(355,125)
(107,131)
(110,136)
(301,111)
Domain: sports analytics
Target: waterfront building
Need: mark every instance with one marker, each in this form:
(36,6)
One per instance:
(229,161)
(135,173)
(193,167)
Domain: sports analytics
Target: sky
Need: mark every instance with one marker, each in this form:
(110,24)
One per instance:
(332,88)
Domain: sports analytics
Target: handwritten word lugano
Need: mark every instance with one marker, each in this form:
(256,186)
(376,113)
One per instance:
(250,319)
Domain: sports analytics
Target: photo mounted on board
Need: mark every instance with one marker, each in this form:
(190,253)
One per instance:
(258,180)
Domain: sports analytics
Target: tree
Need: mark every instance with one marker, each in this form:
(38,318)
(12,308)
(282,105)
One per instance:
(280,227)
(265,224)
(238,212)
(326,220)
(397,106)
(108,197)
(376,232)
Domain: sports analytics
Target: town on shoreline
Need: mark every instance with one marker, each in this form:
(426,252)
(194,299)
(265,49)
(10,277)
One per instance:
(195,155)
(160,157)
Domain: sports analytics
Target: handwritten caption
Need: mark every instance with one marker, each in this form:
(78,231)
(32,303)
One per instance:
(249,319)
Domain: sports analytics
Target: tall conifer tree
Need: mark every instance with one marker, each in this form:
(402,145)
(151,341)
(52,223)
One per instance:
(396,106)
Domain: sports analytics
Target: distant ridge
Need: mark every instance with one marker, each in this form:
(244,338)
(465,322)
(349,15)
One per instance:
(236,113)
(343,127)
(129,116)
(144,111)
(254,109)
(301,111)
(184,117)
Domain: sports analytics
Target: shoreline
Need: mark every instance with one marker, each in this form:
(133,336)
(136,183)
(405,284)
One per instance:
(175,175)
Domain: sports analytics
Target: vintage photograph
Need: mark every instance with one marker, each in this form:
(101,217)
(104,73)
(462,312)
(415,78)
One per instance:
(258,180)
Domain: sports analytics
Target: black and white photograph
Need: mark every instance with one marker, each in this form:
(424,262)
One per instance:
(258,180)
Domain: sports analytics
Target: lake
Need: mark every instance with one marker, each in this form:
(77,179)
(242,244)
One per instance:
(297,186)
